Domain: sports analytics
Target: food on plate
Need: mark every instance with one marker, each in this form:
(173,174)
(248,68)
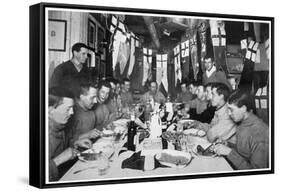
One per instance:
(177,160)
(205,152)
(107,133)
(195,132)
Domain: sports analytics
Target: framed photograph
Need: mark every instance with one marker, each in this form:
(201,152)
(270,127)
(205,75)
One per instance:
(57,35)
(202,103)
(92,34)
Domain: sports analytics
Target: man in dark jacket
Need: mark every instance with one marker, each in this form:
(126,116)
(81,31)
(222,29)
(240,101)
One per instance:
(72,73)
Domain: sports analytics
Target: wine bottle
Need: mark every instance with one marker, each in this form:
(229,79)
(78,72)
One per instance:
(132,129)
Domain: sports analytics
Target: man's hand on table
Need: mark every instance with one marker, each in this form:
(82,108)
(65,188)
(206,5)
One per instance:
(66,155)
(84,143)
(221,149)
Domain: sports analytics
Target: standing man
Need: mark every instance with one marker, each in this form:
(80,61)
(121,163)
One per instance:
(154,94)
(73,72)
(185,95)
(59,111)
(84,118)
(212,75)
(126,95)
(252,136)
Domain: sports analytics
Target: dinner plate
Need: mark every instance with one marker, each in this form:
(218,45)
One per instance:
(194,132)
(173,155)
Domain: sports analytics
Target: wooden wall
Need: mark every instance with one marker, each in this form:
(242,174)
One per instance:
(77,27)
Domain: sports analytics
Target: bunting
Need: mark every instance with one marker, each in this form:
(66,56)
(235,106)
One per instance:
(147,62)
(161,70)
(177,64)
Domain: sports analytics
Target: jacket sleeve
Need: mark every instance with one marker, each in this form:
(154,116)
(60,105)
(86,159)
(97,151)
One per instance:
(56,77)
(259,157)
(53,171)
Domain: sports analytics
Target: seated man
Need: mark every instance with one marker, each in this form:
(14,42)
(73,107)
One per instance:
(60,109)
(114,100)
(185,95)
(153,94)
(102,113)
(126,96)
(192,87)
(200,108)
(221,128)
(252,146)
(84,118)
(212,75)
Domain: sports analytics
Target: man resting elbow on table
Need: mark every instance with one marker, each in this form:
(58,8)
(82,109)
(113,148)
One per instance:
(221,128)
(60,109)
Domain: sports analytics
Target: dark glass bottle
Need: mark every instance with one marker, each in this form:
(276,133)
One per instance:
(132,130)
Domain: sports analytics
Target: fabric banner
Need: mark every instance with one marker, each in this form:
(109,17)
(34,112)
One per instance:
(185,58)
(193,54)
(177,64)
(218,33)
(252,51)
(161,70)
(203,42)
(147,62)
(132,54)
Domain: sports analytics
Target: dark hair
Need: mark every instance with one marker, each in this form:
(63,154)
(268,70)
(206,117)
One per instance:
(84,88)
(105,84)
(240,98)
(126,80)
(222,89)
(56,95)
(209,56)
(77,47)
(211,84)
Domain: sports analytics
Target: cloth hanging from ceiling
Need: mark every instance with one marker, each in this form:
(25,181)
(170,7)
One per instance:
(177,64)
(185,58)
(161,70)
(218,35)
(147,62)
(202,30)
(132,54)
(192,35)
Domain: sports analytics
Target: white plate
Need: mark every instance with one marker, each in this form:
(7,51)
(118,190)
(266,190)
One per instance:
(175,153)
(194,132)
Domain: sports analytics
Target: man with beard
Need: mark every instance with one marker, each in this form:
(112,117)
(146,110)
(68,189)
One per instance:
(72,73)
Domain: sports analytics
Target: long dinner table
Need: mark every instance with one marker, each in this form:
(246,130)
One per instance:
(85,171)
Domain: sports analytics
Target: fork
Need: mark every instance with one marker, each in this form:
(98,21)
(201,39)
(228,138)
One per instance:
(78,171)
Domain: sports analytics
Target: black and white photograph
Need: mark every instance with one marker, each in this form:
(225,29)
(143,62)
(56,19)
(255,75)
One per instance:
(144,95)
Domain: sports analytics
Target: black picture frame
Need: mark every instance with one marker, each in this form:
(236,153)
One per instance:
(57,35)
(37,172)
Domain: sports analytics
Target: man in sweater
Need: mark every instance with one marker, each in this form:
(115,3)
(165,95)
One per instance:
(252,137)
(71,74)
(212,75)
(185,95)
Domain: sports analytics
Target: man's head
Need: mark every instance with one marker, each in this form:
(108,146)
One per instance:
(127,85)
(104,90)
(232,81)
(220,93)
(153,87)
(60,105)
(80,52)
(208,90)
(183,87)
(200,92)
(192,87)
(87,95)
(118,87)
(239,104)
(209,62)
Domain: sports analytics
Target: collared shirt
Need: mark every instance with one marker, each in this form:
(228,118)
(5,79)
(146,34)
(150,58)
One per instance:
(222,126)
(252,148)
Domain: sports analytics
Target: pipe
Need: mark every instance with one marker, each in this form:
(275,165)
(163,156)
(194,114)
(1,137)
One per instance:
(152,30)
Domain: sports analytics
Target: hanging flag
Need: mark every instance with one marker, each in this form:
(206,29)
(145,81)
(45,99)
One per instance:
(252,51)
(185,58)
(177,64)
(161,70)
(132,54)
(218,33)
(203,41)
(193,53)
(147,62)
